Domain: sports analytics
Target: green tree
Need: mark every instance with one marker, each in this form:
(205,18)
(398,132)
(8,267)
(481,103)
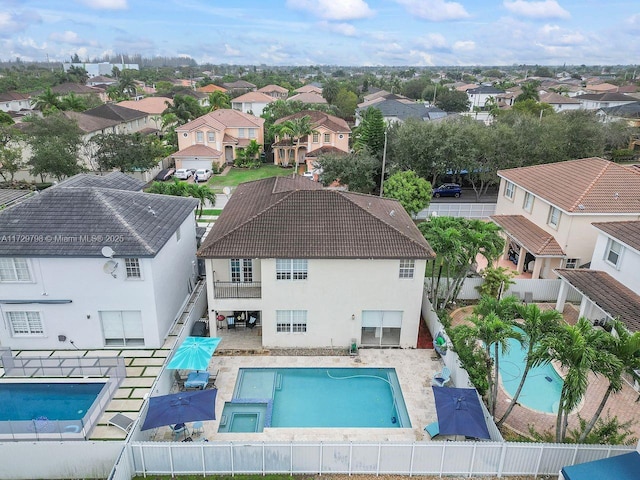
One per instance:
(533,107)
(203,193)
(529,91)
(452,101)
(72,102)
(10,162)
(183,189)
(5,119)
(126,152)
(330,90)
(127,85)
(77,75)
(625,347)
(370,132)
(185,108)
(248,157)
(295,129)
(47,102)
(536,324)
(218,100)
(496,281)
(413,192)
(55,141)
(358,170)
(346,103)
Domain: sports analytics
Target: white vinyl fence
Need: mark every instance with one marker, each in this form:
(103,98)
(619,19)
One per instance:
(455,209)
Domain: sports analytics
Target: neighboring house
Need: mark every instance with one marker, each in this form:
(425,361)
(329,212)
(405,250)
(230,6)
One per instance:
(310,88)
(214,138)
(9,196)
(479,96)
(595,101)
(319,268)
(239,87)
(101,80)
(546,210)
(152,106)
(252,102)
(308,97)
(629,112)
(611,285)
(275,91)
(15,102)
(397,109)
(560,103)
(602,88)
(328,131)
(79,90)
(103,265)
(210,89)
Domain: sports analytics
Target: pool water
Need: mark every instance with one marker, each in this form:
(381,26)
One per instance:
(51,401)
(316,398)
(542,388)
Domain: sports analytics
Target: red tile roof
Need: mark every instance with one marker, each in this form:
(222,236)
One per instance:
(197,151)
(536,240)
(294,217)
(588,185)
(626,232)
(320,119)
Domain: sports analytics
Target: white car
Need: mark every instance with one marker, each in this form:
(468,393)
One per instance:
(183,173)
(202,175)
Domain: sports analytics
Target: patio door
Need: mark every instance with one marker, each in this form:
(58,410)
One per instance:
(122,328)
(241,270)
(381,328)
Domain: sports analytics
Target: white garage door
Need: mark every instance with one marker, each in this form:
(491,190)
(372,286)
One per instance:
(197,164)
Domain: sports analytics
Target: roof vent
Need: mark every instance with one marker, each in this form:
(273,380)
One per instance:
(616,195)
(392,213)
(581,207)
(151,210)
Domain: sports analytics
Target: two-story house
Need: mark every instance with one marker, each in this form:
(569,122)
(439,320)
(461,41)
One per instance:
(478,96)
(346,266)
(15,102)
(330,134)
(546,211)
(214,138)
(252,102)
(94,262)
(275,91)
(610,287)
(595,101)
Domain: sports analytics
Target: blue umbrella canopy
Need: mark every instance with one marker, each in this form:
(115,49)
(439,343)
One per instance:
(194,353)
(459,412)
(180,407)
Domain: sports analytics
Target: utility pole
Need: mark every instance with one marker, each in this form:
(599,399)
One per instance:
(384,161)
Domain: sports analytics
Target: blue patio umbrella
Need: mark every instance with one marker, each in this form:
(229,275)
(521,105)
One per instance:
(180,407)
(194,353)
(459,412)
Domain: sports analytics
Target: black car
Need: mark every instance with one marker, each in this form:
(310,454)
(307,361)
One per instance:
(447,190)
(165,174)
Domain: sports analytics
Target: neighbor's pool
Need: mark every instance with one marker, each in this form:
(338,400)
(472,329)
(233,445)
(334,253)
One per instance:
(541,390)
(315,398)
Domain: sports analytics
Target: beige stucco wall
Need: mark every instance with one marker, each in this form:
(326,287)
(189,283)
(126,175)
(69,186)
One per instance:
(335,291)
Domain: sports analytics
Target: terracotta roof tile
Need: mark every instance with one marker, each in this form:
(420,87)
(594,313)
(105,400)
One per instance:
(197,151)
(211,88)
(273,88)
(536,240)
(320,119)
(150,105)
(609,294)
(308,97)
(588,185)
(285,217)
(255,97)
(224,118)
(627,232)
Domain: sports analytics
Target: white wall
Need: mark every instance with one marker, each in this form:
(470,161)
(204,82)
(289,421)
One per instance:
(629,264)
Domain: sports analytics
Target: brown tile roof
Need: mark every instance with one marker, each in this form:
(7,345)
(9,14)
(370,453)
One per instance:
(307,97)
(11,96)
(115,112)
(627,232)
(553,97)
(224,118)
(609,294)
(239,84)
(197,151)
(66,88)
(536,240)
(589,185)
(211,88)
(273,88)
(150,105)
(294,217)
(308,89)
(257,97)
(320,119)
(325,149)
(89,123)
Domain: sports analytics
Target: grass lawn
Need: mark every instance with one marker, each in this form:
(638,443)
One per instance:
(236,176)
(212,211)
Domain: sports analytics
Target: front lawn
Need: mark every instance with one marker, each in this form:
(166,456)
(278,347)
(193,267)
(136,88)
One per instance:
(236,176)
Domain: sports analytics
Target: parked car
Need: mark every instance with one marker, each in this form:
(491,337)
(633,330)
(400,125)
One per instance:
(447,190)
(183,173)
(165,174)
(308,175)
(202,175)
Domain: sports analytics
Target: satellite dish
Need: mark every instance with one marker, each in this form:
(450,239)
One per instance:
(110,268)
(107,252)
(226,191)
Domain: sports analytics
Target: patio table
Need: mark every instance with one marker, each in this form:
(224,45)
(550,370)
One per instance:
(197,380)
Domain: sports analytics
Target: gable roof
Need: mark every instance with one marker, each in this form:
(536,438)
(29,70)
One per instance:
(224,118)
(308,97)
(256,97)
(134,224)
(535,239)
(150,105)
(485,89)
(115,112)
(263,220)
(556,98)
(319,119)
(310,88)
(211,88)
(113,180)
(404,110)
(89,123)
(606,97)
(273,88)
(66,88)
(239,84)
(197,151)
(626,232)
(13,96)
(596,185)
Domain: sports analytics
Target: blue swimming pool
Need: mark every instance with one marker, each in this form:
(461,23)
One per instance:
(51,401)
(315,398)
(543,385)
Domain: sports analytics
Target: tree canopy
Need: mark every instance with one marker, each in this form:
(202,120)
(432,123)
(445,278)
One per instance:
(413,192)
(126,152)
(358,170)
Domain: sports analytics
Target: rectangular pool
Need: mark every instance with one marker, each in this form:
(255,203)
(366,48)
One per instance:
(316,398)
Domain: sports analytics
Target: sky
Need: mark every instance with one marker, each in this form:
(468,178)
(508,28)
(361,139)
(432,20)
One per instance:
(327,32)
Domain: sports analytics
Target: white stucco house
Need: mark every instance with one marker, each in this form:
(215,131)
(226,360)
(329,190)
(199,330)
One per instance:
(95,263)
(317,267)
(252,102)
(546,211)
(610,287)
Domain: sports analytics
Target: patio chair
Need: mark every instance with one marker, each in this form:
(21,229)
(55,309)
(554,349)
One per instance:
(231,323)
(121,421)
(353,349)
(433,429)
(179,379)
(441,378)
(252,320)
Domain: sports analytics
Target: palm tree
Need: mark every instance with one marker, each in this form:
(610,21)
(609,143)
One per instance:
(73,102)
(202,193)
(536,324)
(47,101)
(281,131)
(127,85)
(302,127)
(218,100)
(625,347)
(579,349)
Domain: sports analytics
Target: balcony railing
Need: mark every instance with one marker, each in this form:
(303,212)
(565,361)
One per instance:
(237,290)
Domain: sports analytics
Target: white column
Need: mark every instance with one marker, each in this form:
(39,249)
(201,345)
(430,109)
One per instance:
(562,295)
(537,267)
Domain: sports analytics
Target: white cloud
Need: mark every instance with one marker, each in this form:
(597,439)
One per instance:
(345,29)
(420,58)
(105,4)
(435,10)
(275,54)
(229,51)
(464,45)
(72,38)
(333,10)
(538,10)
(432,41)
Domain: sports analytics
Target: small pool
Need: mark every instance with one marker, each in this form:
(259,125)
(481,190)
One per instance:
(542,388)
(315,398)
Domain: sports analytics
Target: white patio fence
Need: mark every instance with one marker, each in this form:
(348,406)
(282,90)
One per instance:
(455,209)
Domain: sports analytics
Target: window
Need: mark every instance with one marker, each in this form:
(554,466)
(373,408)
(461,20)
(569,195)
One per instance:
(122,328)
(25,324)
(199,137)
(241,270)
(571,263)
(242,133)
(406,268)
(291,321)
(14,270)
(528,202)
(327,138)
(211,137)
(132,266)
(614,250)
(287,269)
(554,217)
(316,137)
(509,189)
(252,133)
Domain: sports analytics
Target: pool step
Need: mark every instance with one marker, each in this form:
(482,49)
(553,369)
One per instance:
(278,381)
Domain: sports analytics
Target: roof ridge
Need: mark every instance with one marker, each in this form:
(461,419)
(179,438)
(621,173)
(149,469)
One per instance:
(101,197)
(592,184)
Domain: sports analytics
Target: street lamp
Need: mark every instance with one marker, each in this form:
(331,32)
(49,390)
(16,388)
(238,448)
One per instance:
(384,160)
